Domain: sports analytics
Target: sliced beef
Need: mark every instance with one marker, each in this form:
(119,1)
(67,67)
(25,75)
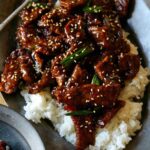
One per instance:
(40,56)
(121,47)
(111,6)
(26,66)
(122,7)
(88,95)
(74,30)
(106,36)
(56,44)
(28,38)
(58,71)
(69,4)
(107,70)
(18,66)
(84,126)
(93,20)
(54,20)
(104,68)
(78,77)
(129,65)
(34,11)
(108,7)
(109,113)
(107,4)
(43,82)
(11,74)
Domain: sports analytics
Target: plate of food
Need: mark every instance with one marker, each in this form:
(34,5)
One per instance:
(79,73)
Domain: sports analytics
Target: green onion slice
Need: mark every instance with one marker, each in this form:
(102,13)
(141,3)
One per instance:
(92,9)
(79,54)
(97,110)
(79,113)
(96,80)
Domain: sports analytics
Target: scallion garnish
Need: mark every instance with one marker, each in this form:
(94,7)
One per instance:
(97,110)
(96,80)
(92,9)
(80,113)
(79,54)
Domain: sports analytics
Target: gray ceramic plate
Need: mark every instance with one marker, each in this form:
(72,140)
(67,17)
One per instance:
(18,133)
(139,23)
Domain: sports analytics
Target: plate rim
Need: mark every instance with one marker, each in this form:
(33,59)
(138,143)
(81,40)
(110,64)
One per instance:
(11,117)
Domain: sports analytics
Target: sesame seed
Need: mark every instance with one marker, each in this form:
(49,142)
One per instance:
(95,104)
(103,30)
(92,98)
(94,111)
(101,122)
(87,101)
(90,131)
(81,126)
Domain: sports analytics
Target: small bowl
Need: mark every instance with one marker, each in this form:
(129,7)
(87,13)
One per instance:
(17,132)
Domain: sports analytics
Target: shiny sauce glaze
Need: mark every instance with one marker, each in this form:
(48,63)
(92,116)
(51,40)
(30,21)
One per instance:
(78,50)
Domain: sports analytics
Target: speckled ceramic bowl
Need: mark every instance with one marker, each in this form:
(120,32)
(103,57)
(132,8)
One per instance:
(17,132)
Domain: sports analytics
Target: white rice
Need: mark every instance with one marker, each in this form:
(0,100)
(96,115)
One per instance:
(116,134)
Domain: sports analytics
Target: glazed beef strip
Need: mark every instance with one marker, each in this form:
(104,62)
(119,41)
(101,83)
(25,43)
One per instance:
(18,67)
(88,95)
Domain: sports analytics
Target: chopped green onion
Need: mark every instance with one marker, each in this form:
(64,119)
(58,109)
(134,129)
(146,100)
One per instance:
(96,80)
(79,113)
(97,110)
(93,9)
(79,54)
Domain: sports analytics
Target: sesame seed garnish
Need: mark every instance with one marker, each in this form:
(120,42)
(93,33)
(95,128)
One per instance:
(90,131)
(85,127)
(81,126)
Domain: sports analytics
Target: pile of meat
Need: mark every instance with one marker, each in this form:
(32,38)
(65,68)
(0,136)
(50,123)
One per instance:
(79,52)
